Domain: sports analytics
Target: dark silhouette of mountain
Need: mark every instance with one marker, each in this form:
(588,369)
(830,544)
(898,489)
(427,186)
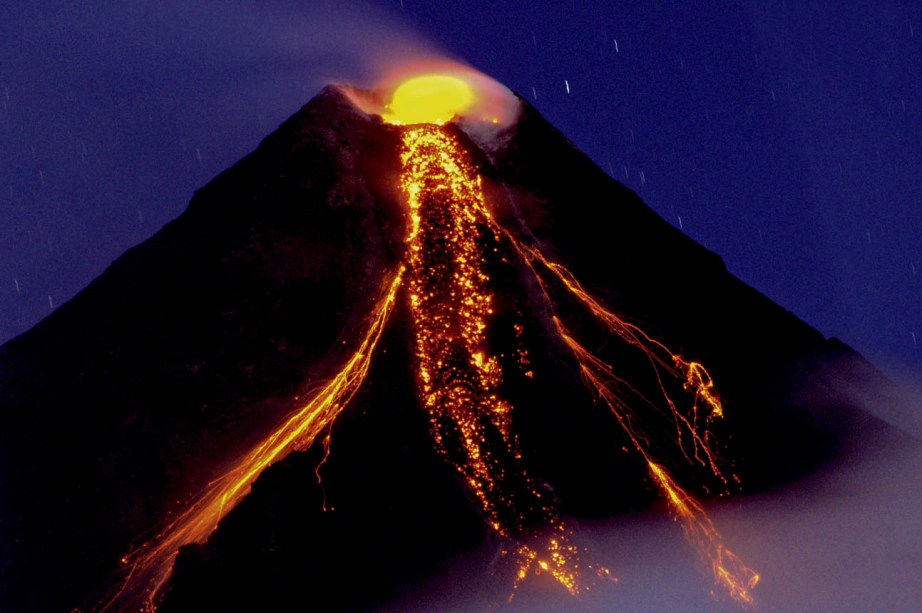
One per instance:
(123,404)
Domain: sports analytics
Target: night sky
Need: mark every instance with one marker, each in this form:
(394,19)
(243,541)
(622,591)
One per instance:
(783,136)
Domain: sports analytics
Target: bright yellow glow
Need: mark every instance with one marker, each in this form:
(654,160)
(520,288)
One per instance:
(429,99)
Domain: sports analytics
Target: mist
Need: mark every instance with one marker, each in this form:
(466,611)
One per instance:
(848,539)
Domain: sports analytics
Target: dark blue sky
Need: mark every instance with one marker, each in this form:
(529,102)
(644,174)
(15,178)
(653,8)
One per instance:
(782,135)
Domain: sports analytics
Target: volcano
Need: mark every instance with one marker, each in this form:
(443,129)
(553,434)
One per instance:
(371,346)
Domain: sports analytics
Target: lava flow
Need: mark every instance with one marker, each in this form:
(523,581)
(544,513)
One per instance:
(149,566)
(451,303)
(451,233)
(459,380)
(692,439)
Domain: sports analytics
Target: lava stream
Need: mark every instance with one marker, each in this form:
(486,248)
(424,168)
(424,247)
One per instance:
(729,571)
(736,579)
(665,364)
(150,565)
(451,303)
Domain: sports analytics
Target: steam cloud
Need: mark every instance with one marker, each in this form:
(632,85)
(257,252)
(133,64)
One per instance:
(312,44)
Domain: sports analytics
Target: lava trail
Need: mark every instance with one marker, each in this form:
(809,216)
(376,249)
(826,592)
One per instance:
(149,566)
(459,379)
(692,438)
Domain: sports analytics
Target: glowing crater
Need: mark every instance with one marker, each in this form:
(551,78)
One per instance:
(431,98)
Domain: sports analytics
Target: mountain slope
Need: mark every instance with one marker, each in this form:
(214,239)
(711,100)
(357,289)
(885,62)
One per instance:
(187,348)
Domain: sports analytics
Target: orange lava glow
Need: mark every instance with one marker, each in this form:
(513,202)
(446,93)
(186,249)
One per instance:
(693,438)
(459,380)
(729,572)
(150,565)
